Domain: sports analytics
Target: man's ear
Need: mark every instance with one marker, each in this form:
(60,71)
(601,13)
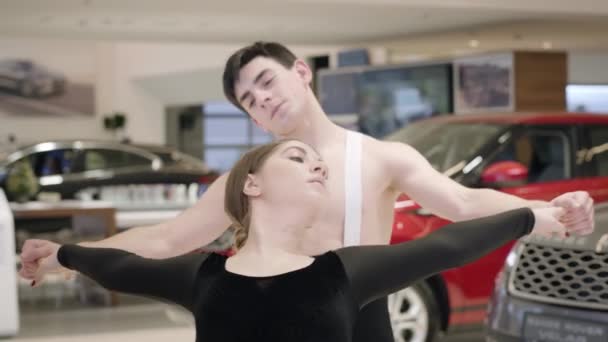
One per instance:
(303,70)
(252,187)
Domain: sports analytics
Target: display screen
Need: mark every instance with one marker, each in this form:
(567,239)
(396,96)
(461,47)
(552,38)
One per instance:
(385,99)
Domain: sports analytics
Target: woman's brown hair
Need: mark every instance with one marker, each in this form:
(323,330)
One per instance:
(236,203)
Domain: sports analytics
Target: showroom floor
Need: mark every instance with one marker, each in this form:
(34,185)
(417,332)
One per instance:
(134,320)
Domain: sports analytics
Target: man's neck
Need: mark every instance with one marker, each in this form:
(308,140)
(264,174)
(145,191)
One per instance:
(317,130)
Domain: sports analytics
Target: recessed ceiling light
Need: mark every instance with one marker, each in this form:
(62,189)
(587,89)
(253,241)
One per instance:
(547,45)
(473,43)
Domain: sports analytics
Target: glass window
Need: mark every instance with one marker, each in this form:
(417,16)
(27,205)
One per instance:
(591,98)
(446,144)
(98,159)
(543,154)
(226,131)
(259,136)
(49,163)
(223,158)
(598,153)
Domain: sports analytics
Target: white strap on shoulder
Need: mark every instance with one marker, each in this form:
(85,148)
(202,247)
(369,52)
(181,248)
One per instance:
(352,190)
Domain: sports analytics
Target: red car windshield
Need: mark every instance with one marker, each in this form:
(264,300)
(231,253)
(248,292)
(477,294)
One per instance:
(446,144)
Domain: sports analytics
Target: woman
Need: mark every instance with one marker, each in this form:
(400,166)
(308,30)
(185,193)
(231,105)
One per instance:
(269,291)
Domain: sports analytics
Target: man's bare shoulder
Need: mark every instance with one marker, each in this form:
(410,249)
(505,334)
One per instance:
(386,151)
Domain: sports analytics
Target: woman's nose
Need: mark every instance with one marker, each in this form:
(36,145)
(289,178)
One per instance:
(321,169)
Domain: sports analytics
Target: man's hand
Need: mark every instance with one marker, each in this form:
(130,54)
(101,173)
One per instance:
(579,213)
(39,257)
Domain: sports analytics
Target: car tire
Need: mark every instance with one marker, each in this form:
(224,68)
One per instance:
(414,314)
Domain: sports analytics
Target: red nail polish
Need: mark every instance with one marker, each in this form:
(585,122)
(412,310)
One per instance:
(33,283)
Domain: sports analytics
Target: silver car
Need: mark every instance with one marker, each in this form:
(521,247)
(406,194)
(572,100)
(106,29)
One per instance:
(69,166)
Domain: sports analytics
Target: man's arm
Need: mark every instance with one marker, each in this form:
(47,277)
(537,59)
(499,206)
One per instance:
(413,175)
(194,228)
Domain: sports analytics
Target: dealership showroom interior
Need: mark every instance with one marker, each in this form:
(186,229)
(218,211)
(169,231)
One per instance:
(304,170)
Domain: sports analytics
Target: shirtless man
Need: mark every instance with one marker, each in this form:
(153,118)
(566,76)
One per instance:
(271,84)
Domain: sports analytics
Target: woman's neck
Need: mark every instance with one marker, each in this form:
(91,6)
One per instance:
(272,247)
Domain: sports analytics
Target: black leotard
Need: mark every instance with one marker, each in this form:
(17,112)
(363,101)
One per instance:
(318,303)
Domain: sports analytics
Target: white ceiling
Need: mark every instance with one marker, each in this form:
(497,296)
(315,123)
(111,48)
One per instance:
(291,21)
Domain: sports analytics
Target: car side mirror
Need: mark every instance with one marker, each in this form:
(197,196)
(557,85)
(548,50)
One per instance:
(504,174)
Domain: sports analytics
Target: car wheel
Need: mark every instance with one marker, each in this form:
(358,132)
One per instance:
(414,314)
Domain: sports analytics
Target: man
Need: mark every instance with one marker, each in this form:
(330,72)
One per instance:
(267,81)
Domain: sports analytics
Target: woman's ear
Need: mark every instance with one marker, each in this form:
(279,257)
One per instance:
(252,188)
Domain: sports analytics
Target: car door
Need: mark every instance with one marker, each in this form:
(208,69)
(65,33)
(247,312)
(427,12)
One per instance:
(547,152)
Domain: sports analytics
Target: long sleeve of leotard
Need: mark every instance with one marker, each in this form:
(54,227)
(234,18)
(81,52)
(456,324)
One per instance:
(171,279)
(377,271)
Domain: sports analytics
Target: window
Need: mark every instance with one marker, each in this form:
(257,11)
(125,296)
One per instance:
(50,163)
(228,133)
(597,154)
(543,153)
(98,159)
(445,145)
(592,98)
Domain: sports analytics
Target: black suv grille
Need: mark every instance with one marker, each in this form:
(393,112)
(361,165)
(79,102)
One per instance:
(561,276)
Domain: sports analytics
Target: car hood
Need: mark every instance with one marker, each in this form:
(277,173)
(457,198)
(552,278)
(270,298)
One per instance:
(592,242)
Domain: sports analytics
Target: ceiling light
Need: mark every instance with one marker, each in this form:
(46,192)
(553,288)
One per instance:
(473,43)
(547,45)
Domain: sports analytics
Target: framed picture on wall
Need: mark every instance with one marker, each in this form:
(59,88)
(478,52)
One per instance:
(484,84)
(47,78)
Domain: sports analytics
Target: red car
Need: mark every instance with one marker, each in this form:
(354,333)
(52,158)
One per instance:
(532,155)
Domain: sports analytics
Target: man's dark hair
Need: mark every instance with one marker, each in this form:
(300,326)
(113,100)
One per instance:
(243,56)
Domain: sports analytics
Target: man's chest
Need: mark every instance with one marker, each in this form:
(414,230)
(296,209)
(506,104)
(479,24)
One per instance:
(374,211)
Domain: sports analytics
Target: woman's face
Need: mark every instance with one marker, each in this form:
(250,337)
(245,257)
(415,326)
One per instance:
(293,175)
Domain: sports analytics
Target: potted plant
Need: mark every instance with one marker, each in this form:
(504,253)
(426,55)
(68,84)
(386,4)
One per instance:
(21,183)
(115,122)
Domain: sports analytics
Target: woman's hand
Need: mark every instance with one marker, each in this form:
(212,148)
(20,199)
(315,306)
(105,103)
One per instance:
(548,222)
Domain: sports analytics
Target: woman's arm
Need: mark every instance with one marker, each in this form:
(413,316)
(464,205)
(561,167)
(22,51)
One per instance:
(376,271)
(171,279)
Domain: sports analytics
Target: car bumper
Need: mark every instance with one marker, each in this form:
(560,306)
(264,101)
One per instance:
(514,319)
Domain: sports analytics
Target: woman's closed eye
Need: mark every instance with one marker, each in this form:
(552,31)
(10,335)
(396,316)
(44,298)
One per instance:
(296,158)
